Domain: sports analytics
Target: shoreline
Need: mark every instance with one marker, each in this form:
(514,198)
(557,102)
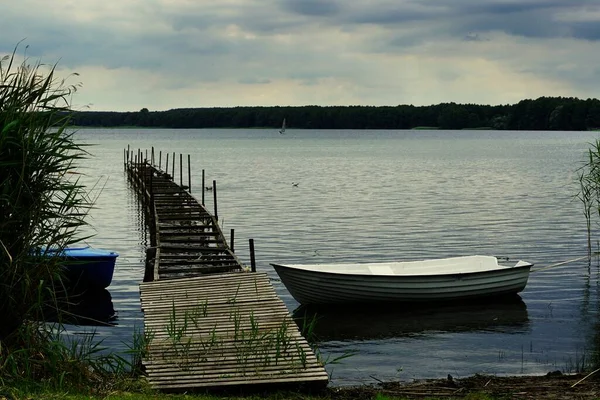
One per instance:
(554,385)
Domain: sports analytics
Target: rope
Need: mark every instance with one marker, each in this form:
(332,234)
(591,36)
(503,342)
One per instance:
(559,264)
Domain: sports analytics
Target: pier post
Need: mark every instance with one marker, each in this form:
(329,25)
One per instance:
(215,199)
(173,170)
(151,191)
(189,175)
(252,259)
(180,170)
(203,188)
(231,241)
(159,159)
(167,165)
(149,267)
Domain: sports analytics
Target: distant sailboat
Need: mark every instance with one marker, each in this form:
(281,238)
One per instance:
(282,130)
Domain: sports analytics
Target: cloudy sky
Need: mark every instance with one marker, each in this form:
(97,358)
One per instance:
(163,54)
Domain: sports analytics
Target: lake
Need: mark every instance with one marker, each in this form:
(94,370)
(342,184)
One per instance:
(381,196)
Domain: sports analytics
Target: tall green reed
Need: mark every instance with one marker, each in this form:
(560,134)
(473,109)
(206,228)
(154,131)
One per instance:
(589,189)
(42,206)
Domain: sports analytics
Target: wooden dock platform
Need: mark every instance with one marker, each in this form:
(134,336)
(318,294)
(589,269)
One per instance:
(223,330)
(212,323)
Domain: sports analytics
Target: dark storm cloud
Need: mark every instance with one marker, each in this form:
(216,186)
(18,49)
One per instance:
(589,30)
(512,7)
(464,18)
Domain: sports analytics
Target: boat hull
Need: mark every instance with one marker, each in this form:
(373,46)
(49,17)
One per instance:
(89,268)
(318,287)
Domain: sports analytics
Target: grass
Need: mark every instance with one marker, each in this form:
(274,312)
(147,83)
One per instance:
(144,393)
(255,345)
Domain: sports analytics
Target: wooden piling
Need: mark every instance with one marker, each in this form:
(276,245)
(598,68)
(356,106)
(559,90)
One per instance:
(173,171)
(180,169)
(149,265)
(189,175)
(203,188)
(252,259)
(215,199)
(231,240)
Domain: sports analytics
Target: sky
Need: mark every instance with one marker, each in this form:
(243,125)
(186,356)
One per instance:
(164,54)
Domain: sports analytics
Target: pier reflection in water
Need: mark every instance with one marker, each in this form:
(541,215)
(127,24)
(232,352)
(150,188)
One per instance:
(371,322)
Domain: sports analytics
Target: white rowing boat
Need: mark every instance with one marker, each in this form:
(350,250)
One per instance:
(454,278)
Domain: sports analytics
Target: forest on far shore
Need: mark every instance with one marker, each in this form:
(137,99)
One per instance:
(544,113)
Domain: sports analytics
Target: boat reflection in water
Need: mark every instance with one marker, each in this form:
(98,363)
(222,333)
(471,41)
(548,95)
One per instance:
(93,307)
(367,322)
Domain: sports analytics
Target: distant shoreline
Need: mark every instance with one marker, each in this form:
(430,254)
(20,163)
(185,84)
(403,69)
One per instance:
(543,114)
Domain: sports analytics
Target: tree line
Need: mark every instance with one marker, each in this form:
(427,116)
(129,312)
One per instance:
(544,113)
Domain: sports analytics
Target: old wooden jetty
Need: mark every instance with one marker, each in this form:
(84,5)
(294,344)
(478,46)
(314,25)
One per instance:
(211,321)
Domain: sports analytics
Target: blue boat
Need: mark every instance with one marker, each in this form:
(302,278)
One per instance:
(87,267)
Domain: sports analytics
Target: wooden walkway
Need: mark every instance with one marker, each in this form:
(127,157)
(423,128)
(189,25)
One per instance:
(187,238)
(212,323)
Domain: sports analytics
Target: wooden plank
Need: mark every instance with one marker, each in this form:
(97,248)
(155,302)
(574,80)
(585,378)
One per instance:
(168,274)
(278,366)
(167,240)
(233,280)
(195,261)
(193,269)
(198,261)
(197,249)
(162,309)
(187,383)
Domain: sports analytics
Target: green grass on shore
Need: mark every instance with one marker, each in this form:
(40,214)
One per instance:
(273,396)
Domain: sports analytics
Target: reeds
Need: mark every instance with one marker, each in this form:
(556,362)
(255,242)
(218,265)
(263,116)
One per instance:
(246,340)
(41,207)
(589,189)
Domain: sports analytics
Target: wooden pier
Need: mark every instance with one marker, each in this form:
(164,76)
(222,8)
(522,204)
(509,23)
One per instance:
(212,322)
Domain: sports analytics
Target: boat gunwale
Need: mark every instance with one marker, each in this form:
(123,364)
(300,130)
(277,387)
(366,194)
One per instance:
(500,268)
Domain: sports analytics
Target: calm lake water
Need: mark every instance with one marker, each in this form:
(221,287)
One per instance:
(380,196)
